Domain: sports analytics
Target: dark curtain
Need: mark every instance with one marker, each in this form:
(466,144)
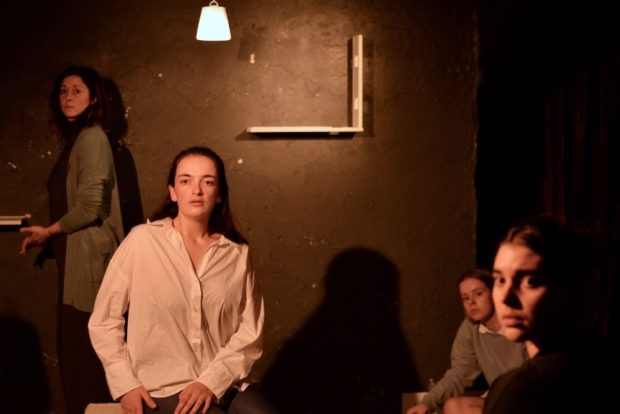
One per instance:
(582,179)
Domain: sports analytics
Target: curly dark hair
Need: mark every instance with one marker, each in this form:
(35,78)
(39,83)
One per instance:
(60,128)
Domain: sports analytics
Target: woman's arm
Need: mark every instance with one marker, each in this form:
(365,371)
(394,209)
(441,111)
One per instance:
(94,172)
(234,362)
(463,369)
(107,323)
(94,175)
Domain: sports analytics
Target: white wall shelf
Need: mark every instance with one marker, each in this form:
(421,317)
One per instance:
(357,95)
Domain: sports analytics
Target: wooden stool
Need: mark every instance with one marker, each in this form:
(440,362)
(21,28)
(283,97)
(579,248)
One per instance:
(110,408)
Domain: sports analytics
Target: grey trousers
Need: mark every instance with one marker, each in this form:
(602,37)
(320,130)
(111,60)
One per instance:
(244,402)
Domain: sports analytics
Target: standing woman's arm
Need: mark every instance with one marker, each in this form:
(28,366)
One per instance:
(94,177)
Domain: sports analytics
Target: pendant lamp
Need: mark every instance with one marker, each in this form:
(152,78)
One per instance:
(213,24)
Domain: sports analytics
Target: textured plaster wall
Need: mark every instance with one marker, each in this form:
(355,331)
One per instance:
(403,190)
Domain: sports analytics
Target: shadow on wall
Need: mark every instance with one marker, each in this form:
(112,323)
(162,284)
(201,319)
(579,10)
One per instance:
(23,381)
(351,355)
(127,176)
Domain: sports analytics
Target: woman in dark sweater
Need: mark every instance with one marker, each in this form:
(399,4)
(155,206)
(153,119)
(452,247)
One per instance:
(542,275)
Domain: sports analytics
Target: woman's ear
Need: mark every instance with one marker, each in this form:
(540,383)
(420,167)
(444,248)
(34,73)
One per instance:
(173,194)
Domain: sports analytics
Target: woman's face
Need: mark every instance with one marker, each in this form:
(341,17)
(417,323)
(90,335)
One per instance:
(520,295)
(195,187)
(477,300)
(74,97)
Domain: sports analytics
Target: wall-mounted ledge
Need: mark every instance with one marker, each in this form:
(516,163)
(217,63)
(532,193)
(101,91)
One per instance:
(303,130)
(357,95)
(13,223)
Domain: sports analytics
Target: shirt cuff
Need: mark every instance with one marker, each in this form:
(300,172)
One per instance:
(121,378)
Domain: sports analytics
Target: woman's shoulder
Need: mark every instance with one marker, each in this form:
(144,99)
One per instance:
(469,326)
(469,332)
(93,132)
(232,250)
(231,246)
(138,241)
(143,232)
(92,136)
(150,228)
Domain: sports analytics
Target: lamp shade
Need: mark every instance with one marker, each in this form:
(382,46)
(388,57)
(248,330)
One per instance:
(213,24)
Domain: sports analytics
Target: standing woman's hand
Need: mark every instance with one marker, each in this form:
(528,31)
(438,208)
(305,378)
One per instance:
(194,397)
(131,402)
(38,237)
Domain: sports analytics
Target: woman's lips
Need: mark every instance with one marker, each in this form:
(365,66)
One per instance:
(512,320)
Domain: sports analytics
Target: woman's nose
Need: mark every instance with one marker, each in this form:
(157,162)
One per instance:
(510,298)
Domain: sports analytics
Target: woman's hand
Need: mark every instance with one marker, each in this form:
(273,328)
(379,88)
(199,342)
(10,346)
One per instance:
(131,402)
(419,408)
(194,397)
(38,237)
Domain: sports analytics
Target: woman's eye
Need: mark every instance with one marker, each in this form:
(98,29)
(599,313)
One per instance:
(530,281)
(499,280)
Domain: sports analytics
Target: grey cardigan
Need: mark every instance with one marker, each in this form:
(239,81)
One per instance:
(93,221)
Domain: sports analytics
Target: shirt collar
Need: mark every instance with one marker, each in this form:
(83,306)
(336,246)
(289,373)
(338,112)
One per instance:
(166,224)
(484,330)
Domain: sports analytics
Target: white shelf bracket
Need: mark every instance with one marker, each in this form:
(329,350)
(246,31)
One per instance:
(357,100)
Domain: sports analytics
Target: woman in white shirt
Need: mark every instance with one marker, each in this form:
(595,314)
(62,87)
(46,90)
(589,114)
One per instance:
(195,320)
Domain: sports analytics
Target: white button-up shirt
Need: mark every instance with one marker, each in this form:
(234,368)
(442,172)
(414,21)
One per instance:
(183,325)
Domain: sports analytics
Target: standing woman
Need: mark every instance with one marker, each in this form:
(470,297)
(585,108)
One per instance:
(195,321)
(86,225)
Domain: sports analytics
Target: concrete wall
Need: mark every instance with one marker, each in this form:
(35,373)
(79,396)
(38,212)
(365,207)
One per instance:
(403,190)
